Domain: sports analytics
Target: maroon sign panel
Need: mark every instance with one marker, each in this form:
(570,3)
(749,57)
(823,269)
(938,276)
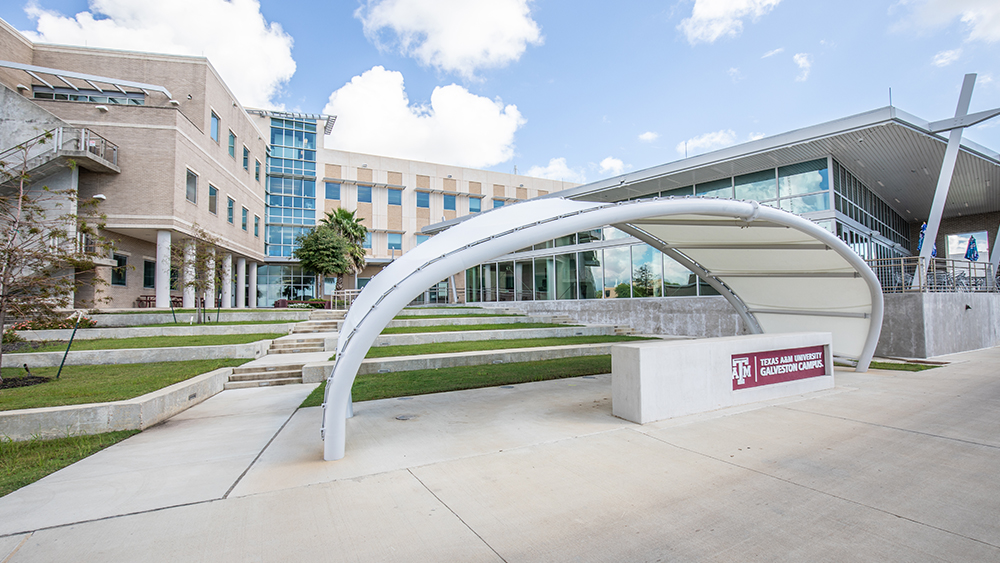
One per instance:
(775,366)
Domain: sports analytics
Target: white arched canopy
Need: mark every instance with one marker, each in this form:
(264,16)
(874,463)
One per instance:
(781,273)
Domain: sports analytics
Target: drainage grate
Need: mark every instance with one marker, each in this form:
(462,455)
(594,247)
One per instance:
(506,386)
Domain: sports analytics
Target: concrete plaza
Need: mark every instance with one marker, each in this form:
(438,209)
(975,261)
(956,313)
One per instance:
(888,466)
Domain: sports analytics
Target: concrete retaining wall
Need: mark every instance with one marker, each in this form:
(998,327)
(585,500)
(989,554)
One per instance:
(463,321)
(140,331)
(922,325)
(141,319)
(688,316)
(96,418)
(139,355)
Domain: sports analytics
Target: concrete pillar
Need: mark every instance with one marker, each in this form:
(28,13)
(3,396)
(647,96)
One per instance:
(241,283)
(188,274)
(210,289)
(227,281)
(162,280)
(253,284)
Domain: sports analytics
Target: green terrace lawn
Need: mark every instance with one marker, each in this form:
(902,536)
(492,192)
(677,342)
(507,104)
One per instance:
(23,463)
(462,316)
(226,323)
(188,311)
(153,342)
(424,381)
(97,384)
(477,345)
(463,328)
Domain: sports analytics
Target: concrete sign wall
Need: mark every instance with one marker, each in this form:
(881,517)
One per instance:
(659,380)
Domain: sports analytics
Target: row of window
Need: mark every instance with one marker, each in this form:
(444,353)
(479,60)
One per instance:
(92,96)
(395,197)
(216,125)
(191,193)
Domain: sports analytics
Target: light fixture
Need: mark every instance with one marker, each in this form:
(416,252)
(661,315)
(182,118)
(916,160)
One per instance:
(449,175)
(22,87)
(189,96)
(100,197)
(174,103)
(520,185)
(102,109)
(364,166)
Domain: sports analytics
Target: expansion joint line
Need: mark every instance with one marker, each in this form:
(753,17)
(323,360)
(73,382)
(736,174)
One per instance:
(444,504)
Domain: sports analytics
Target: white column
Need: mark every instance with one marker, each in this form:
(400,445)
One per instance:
(162,279)
(188,273)
(253,285)
(210,289)
(944,179)
(227,281)
(241,283)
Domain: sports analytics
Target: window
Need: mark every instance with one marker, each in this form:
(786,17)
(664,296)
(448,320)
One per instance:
(213,200)
(118,271)
(215,127)
(148,274)
(256,170)
(256,226)
(364,194)
(332,190)
(232,144)
(192,187)
(449,202)
(368,240)
(422,239)
(245,219)
(497,203)
(230,209)
(424,200)
(475,204)
(395,197)
(246,158)
(395,241)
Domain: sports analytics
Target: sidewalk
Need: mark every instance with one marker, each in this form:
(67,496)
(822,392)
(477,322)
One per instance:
(889,466)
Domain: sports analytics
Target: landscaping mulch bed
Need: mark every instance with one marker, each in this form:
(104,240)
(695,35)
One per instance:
(25,381)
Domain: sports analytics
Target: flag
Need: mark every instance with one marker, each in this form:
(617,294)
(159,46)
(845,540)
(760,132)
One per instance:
(972,253)
(920,242)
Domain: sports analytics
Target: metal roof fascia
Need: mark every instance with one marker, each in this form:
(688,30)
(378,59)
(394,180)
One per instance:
(85,77)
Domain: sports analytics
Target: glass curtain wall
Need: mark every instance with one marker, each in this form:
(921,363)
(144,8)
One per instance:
(566,276)
(285,281)
(545,274)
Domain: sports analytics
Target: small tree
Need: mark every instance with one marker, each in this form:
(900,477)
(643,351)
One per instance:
(199,265)
(344,223)
(324,252)
(642,281)
(50,241)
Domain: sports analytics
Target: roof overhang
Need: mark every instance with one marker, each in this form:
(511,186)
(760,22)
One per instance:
(895,153)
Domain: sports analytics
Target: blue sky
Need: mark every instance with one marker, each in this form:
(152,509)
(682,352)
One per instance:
(569,90)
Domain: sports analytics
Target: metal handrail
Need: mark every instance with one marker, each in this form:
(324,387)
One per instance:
(62,139)
(914,274)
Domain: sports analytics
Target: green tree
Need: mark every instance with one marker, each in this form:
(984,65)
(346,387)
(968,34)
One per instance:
(325,252)
(623,290)
(348,226)
(642,281)
(50,240)
(199,261)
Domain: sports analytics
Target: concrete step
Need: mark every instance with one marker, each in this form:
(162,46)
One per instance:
(269,368)
(302,350)
(262,375)
(326,315)
(624,330)
(316,326)
(262,383)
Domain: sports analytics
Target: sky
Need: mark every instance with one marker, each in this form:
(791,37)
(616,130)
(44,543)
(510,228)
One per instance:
(570,90)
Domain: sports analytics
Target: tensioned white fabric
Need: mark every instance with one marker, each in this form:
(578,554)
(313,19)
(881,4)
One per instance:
(781,272)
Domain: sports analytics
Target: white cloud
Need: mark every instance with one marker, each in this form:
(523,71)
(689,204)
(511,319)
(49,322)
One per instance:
(773,52)
(613,165)
(649,136)
(981,17)
(374,115)
(735,74)
(557,170)
(945,58)
(712,141)
(459,36)
(707,142)
(712,19)
(254,57)
(804,61)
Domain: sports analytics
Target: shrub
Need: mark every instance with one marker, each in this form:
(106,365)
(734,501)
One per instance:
(10,337)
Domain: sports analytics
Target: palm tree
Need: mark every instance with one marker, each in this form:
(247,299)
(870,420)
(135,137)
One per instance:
(344,223)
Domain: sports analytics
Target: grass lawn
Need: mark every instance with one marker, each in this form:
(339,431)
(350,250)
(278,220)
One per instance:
(463,328)
(900,366)
(461,316)
(448,347)
(226,323)
(23,463)
(98,384)
(424,381)
(189,311)
(154,342)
